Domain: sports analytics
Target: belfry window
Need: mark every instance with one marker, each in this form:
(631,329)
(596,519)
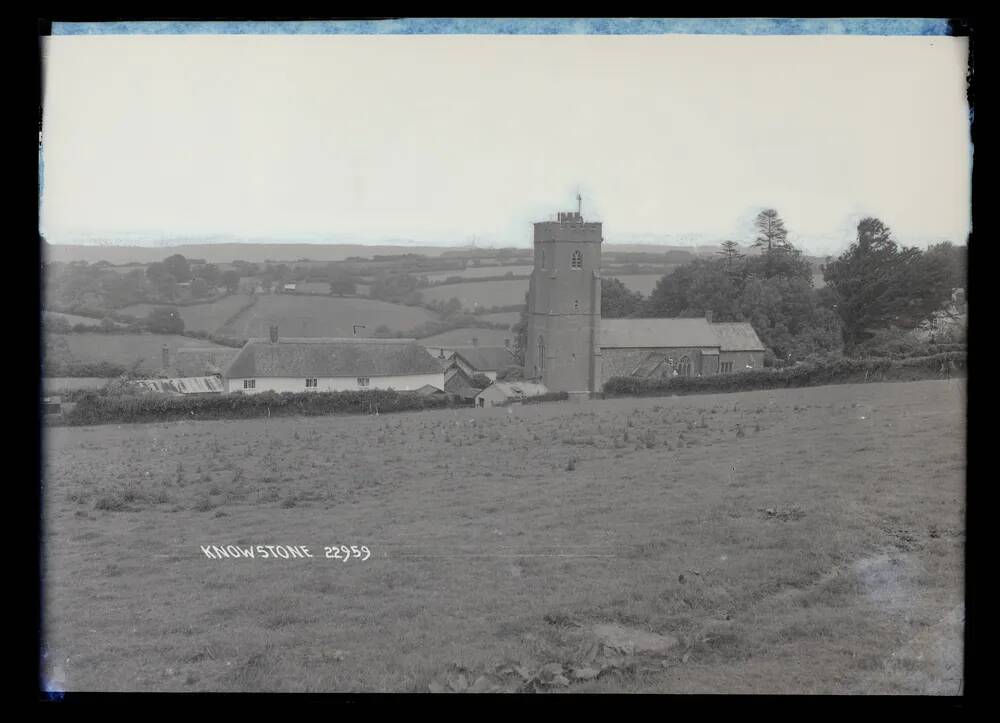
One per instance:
(543,258)
(576,261)
(541,354)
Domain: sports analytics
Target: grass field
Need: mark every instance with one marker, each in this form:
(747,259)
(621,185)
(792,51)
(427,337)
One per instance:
(480,293)
(71,319)
(502,317)
(199,317)
(318,316)
(476,272)
(805,540)
(121,349)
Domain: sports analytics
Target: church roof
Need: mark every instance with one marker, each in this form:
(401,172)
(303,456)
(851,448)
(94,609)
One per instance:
(737,336)
(643,333)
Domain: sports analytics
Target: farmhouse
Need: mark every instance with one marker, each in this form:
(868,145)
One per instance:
(487,361)
(506,392)
(571,348)
(331,365)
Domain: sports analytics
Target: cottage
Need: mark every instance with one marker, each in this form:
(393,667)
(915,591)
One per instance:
(501,393)
(459,384)
(331,365)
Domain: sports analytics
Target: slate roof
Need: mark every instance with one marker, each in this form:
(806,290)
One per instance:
(517,390)
(186,385)
(699,332)
(642,333)
(350,357)
(737,336)
(487,359)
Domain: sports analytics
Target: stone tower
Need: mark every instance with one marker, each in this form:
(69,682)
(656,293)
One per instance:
(564,305)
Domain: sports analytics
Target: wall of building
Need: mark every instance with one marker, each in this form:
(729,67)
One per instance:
(337,384)
(622,362)
(740,359)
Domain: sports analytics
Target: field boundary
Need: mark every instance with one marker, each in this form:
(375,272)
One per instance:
(845,371)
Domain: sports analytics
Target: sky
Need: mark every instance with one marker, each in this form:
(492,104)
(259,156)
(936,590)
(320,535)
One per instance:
(442,140)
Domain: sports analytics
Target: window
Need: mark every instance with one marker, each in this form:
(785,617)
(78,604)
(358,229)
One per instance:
(577,260)
(543,258)
(363,381)
(576,305)
(541,355)
(311,382)
(684,367)
(249,383)
(726,367)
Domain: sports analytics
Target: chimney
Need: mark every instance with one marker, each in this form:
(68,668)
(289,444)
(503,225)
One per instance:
(166,356)
(274,333)
(475,341)
(708,316)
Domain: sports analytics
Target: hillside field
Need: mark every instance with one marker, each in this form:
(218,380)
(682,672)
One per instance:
(793,541)
(199,317)
(319,316)
(476,272)
(480,293)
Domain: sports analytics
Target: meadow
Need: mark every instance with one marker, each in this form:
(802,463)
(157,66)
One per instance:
(476,272)
(792,541)
(199,317)
(317,316)
(477,294)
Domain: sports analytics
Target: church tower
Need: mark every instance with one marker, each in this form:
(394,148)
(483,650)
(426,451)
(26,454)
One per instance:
(564,305)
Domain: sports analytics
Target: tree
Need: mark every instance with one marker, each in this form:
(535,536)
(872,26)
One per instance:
(772,236)
(211,274)
(164,320)
(511,373)
(340,280)
(877,284)
(617,300)
(199,288)
(730,253)
(231,280)
(480,381)
(178,267)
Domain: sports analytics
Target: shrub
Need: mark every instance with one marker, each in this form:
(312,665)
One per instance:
(93,408)
(843,371)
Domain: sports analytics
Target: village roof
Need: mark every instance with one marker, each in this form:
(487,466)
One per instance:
(643,333)
(183,385)
(458,382)
(348,357)
(487,359)
(190,361)
(737,336)
(517,390)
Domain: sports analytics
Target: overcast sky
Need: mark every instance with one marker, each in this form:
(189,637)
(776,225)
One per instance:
(439,139)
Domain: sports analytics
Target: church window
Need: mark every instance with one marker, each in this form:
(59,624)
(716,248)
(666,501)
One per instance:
(541,354)
(543,258)
(576,305)
(577,260)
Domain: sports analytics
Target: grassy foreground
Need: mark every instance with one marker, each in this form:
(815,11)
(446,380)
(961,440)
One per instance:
(787,541)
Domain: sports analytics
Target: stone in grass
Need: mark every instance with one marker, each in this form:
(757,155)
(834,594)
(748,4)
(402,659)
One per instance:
(634,641)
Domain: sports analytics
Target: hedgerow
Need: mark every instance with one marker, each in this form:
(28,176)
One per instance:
(94,408)
(842,371)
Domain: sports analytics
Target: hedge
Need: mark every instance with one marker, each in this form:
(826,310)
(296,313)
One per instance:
(547,397)
(844,371)
(93,408)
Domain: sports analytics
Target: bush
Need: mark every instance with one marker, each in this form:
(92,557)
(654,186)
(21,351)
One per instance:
(843,371)
(94,408)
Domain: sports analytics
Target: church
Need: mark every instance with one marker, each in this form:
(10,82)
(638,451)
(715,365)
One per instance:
(570,348)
